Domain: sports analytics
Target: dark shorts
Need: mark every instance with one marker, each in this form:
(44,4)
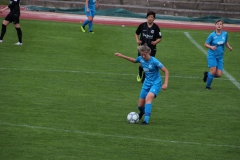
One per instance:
(12,19)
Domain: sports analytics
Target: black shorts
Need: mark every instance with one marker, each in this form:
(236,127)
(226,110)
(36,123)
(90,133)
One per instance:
(153,53)
(12,18)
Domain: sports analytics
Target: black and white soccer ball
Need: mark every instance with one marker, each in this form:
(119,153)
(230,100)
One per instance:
(132,117)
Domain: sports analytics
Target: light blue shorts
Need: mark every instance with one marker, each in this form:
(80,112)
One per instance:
(155,89)
(215,62)
(90,13)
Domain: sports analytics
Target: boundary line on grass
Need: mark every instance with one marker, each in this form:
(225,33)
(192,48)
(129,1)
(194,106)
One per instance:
(109,73)
(231,78)
(117,136)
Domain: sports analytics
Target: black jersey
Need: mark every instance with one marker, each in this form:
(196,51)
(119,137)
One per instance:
(148,34)
(14,7)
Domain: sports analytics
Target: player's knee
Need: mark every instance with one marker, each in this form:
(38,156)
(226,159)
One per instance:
(90,19)
(5,22)
(218,75)
(149,100)
(213,72)
(17,25)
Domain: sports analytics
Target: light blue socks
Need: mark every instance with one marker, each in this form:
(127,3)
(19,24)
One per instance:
(209,79)
(90,26)
(148,110)
(85,23)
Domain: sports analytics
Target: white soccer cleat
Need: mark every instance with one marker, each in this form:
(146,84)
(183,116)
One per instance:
(18,44)
(1,41)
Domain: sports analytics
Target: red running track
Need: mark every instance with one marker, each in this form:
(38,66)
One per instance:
(72,18)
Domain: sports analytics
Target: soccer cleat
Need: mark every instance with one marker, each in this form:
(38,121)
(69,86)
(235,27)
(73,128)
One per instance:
(1,41)
(140,116)
(144,123)
(205,76)
(138,78)
(18,44)
(91,32)
(208,88)
(83,29)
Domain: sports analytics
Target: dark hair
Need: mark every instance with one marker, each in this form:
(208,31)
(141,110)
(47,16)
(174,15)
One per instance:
(151,13)
(219,20)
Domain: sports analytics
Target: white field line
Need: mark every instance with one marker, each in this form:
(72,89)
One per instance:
(231,78)
(101,73)
(117,136)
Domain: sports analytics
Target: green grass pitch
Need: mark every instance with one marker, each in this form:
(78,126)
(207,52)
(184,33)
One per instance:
(64,95)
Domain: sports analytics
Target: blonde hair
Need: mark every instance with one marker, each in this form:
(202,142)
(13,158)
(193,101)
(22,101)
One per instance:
(144,48)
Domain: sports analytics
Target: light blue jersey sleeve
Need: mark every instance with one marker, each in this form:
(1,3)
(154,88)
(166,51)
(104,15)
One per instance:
(138,59)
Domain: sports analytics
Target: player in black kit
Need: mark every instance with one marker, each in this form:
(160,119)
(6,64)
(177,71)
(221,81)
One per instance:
(12,17)
(151,35)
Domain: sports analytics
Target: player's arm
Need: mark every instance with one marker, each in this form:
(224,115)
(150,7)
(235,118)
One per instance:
(158,35)
(137,33)
(2,10)
(165,85)
(125,57)
(209,46)
(86,4)
(137,39)
(228,46)
(208,42)
(97,3)
(156,42)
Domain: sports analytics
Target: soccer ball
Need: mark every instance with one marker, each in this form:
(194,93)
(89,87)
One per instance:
(132,117)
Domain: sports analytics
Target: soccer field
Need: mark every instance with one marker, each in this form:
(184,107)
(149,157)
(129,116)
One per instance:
(64,95)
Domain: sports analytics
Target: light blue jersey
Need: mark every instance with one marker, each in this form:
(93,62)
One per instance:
(219,41)
(215,57)
(152,83)
(151,69)
(92,5)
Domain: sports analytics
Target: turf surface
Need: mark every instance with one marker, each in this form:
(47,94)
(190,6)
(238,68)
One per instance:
(64,95)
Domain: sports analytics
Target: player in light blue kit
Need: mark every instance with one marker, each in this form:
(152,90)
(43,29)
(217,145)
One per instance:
(215,42)
(90,10)
(153,80)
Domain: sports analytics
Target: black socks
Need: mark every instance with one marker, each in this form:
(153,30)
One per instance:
(19,33)
(4,28)
(141,74)
(140,71)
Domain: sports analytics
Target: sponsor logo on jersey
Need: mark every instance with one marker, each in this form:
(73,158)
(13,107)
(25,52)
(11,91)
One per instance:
(147,36)
(220,42)
(145,69)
